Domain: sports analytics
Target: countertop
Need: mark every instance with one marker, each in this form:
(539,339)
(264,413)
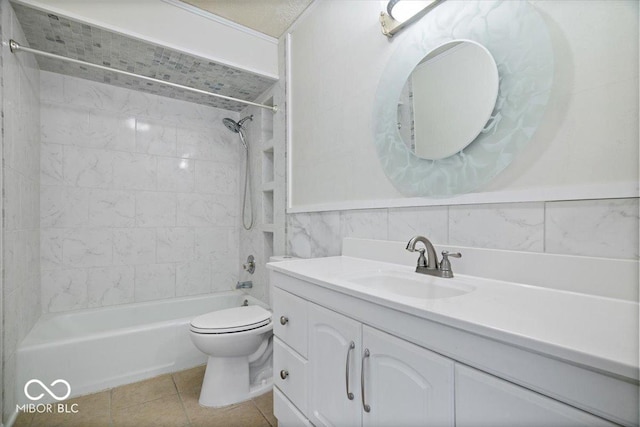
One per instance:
(596,332)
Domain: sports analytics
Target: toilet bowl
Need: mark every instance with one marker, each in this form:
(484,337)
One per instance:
(232,338)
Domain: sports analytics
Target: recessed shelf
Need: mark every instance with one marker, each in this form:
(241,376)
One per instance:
(267,207)
(267,166)
(267,147)
(268,228)
(268,186)
(268,245)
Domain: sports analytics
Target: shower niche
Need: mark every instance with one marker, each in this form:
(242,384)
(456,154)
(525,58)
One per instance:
(268,180)
(267,237)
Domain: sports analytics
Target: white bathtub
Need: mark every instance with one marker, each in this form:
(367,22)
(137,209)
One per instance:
(96,349)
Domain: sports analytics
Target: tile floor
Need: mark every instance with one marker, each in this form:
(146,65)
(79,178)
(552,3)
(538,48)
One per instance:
(169,400)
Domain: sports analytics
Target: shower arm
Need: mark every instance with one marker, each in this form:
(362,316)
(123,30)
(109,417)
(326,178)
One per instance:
(16,48)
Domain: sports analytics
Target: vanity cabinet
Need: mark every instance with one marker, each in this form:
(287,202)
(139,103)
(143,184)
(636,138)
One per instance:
(484,400)
(343,361)
(361,376)
(403,384)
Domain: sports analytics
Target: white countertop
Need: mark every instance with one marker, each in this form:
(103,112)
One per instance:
(597,332)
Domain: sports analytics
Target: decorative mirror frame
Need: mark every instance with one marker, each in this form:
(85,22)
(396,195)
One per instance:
(517,37)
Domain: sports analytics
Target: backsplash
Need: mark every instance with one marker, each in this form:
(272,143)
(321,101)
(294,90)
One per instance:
(601,228)
(139,196)
(76,40)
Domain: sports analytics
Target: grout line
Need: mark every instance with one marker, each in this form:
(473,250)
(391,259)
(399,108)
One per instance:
(111,421)
(544,227)
(184,408)
(260,411)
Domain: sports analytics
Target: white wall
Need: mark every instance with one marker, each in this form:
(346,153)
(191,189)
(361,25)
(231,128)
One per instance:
(587,140)
(139,196)
(21,181)
(588,137)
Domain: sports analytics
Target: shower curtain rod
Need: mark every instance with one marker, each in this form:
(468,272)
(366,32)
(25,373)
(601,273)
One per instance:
(16,47)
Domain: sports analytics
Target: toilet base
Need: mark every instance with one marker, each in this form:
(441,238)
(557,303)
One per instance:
(226,381)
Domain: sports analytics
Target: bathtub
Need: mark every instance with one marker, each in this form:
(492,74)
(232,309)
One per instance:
(100,348)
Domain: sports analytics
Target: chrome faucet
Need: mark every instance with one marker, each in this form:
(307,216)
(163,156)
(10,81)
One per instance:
(244,285)
(429,264)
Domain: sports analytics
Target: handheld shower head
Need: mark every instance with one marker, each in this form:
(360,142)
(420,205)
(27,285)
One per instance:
(234,126)
(231,125)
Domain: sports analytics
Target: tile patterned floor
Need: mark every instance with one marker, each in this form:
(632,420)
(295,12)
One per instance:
(169,400)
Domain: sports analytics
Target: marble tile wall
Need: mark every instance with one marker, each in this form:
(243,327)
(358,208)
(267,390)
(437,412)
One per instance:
(21,180)
(256,241)
(139,196)
(601,228)
(268,174)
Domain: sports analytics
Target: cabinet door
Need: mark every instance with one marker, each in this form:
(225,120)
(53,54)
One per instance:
(405,385)
(484,400)
(330,338)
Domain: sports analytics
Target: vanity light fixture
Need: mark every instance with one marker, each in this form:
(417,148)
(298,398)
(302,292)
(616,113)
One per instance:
(401,13)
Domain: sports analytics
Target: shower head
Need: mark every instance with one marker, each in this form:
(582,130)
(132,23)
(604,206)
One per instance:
(234,126)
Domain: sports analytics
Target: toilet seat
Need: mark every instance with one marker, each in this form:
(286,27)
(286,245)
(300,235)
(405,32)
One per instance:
(237,319)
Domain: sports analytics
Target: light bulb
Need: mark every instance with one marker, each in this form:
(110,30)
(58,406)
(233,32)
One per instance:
(402,10)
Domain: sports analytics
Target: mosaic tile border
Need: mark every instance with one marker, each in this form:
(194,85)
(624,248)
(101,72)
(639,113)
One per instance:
(77,40)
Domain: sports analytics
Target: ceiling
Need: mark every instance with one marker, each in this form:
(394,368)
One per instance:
(271,17)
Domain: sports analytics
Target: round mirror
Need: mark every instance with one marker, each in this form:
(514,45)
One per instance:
(448,99)
(524,58)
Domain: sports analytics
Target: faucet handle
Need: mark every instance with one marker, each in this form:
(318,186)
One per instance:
(422,260)
(446,254)
(445,265)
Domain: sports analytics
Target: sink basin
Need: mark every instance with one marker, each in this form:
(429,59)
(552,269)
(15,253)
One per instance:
(412,285)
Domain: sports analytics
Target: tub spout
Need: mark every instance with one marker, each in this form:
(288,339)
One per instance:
(244,285)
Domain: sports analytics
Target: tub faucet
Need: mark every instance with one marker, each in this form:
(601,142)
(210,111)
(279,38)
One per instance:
(429,264)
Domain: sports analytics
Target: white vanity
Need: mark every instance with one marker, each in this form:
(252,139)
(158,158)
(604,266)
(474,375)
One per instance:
(364,342)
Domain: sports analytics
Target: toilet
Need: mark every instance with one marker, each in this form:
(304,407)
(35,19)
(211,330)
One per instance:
(232,338)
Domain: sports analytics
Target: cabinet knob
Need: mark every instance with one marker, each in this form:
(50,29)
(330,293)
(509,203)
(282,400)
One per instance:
(284,374)
(284,320)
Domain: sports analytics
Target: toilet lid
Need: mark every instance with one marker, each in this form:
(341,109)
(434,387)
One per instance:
(232,320)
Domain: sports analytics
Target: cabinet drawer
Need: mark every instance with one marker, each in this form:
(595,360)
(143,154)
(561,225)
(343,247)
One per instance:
(482,399)
(290,320)
(288,364)
(287,414)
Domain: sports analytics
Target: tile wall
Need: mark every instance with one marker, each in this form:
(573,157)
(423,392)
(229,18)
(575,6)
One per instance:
(252,241)
(266,137)
(139,196)
(21,176)
(600,228)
